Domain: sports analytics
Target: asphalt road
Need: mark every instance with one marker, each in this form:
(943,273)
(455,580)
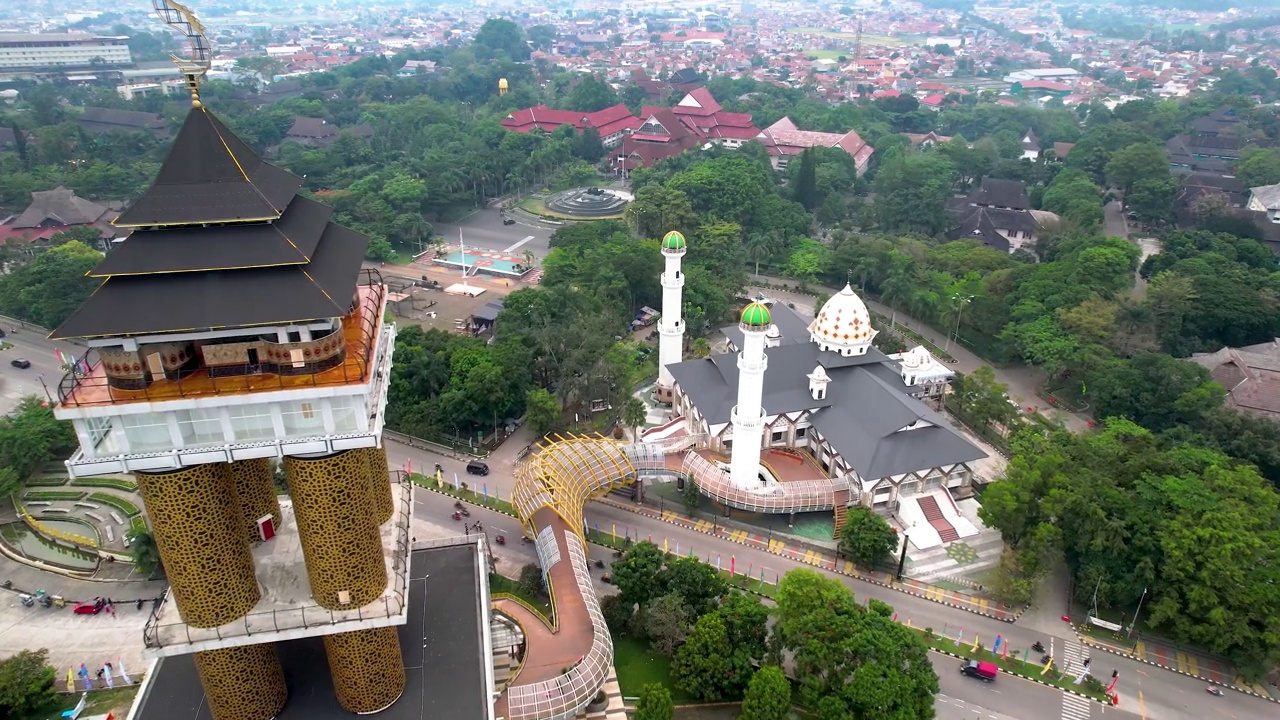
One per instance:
(17,383)
(1152,692)
(484,229)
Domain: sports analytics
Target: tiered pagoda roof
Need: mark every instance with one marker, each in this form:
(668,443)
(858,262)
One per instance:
(222,240)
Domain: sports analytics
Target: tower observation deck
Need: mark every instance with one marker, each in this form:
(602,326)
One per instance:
(235,327)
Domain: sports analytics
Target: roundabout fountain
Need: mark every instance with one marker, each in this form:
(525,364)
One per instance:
(591,203)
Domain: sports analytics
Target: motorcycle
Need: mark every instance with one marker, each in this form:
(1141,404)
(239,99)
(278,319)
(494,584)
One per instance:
(457,505)
(1046,658)
(1038,647)
(465,512)
(457,516)
(600,564)
(501,539)
(1214,690)
(526,539)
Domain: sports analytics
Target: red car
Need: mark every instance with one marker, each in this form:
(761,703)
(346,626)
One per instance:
(92,607)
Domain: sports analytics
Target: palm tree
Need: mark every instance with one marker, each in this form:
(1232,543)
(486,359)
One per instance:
(146,556)
(864,268)
(701,348)
(634,415)
(759,247)
(899,288)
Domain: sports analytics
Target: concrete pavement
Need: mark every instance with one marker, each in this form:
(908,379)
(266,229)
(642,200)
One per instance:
(483,229)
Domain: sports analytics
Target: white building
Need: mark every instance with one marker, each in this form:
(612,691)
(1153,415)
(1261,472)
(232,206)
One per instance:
(33,53)
(1056,74)
(825,389)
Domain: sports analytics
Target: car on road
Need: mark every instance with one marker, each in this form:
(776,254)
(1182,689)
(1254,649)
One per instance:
(981,669)
(90,607)
(508,221)
(475,467)
(20,363)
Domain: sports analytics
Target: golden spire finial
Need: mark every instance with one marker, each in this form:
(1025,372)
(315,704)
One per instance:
(180,18)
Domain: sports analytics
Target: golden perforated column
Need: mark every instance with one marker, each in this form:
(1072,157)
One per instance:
(242,683)
(255,490)
(196,523)
(340,540)
(367,670)
(384,504)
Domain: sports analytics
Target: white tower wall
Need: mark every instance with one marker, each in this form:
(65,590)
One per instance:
(748,414)
(670,325)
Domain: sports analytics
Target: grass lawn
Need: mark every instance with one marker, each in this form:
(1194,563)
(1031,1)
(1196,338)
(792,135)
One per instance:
(118,503)
(52,495)
(638,666)
(51,481)
(503,584)
(116,483)
(116,700)
(826,54)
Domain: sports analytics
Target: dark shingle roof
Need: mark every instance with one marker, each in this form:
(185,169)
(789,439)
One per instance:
(1001,193)
(211,176)
(863,416)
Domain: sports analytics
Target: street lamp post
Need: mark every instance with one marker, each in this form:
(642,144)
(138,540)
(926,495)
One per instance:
(961,301)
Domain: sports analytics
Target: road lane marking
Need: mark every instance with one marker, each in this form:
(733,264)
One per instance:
(1075,707)
(1142,706)
(516,246)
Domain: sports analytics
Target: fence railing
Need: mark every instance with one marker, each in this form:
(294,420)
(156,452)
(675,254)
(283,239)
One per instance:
(88,374)
(158,634)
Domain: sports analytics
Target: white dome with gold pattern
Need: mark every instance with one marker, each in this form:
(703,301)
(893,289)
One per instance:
(843,325)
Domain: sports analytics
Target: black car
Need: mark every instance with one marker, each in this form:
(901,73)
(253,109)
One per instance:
(475,467)
(20,363)
(508,221)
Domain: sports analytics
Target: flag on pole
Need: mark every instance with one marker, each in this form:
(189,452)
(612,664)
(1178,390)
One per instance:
(613,531)
(995,648)
(732,562)
(975,643)
(959,636)
(717,563)
(677,548)
(124,674)
(106,674)
(71,679)
(485,488)
(664,544)
(1004,651)
(456,486)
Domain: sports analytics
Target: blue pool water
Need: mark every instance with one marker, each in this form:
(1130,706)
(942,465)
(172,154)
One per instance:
(484,262)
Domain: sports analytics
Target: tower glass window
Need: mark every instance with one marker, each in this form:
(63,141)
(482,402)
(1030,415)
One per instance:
(302,418)
(201,426)
(252,422)
(346,417)
(147,432)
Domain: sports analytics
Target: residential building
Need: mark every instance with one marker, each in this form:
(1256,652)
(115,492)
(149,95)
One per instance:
(98,120)
(1265,198)
(1250,375)
(24,53)
(1030,146)
(700,112)
(612,123)
(998,214)
(316,132)
(417,67)
(783,140)
(661,135)
(51,212)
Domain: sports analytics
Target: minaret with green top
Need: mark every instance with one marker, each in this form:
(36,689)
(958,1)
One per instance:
(748,414)
(670,325)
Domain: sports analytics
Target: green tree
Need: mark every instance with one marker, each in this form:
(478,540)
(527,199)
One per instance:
(707,666)
(911,190)
(655,703)
(1135,163)
(53,286)
(636,573)
(666,622)
(587,145)
(746,621)
(500,39)
(984,399)
(1154,390)
(29,437)
(542,410)
(146,555)
(1259,166)
(806,183)
(634,416)
(532,581)
(768,695)
(854,660)
(696,582)
(590,94)
(1073,197)
(690,495)
(866,538)
(27,684)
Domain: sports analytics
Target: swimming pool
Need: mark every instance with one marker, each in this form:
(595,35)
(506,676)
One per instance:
(485,262)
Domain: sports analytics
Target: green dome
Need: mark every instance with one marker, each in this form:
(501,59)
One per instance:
(756,315)
(673,241)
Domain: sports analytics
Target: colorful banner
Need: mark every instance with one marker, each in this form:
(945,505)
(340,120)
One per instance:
(124,674)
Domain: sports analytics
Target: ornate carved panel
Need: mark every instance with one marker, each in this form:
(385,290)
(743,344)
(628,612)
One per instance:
(340,540)
(367,670)
(196,522)
(380,485)
(255,491)
(242,683)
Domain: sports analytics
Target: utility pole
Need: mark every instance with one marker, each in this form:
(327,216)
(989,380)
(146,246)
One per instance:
(1136,612)
(902,559)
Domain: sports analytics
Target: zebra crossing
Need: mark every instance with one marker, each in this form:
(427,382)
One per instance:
(1075,707)
(1072,660)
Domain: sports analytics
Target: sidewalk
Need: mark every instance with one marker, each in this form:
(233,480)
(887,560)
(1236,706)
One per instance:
(1193,664)
(827,561)
(1022,381)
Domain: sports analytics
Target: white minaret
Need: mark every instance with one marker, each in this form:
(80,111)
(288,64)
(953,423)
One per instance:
(670,325)
(748,414)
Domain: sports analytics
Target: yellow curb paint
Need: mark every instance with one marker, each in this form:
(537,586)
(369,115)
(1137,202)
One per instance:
(1142,706)
(777,546)
(1140,650)
(848,567)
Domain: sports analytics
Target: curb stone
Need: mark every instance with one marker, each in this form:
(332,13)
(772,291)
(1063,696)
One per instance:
(1027,677)
(1086,640)
(688,526)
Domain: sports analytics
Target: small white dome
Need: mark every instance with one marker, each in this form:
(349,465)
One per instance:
(843,324)
(916,358)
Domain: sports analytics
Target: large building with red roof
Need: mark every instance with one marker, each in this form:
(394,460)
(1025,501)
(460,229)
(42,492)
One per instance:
(784,140)
(611,123)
